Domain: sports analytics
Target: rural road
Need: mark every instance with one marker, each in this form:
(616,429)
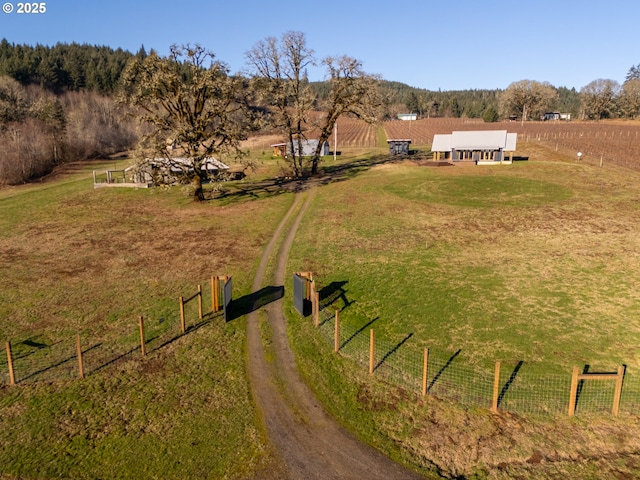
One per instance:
(306,441)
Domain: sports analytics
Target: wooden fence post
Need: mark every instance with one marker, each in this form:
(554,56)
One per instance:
(12,377)
(200,302)
(615,409)
(372,351)
(336,333)
(80,363)
(142,339)
(214,294)
(574,392)
(425,372)
(496,388)
(316,308)
(182,322)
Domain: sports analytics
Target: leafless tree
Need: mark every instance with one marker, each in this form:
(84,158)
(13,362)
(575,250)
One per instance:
(190,101)
(352,91)
(526,98)
(598,98)
(278,69)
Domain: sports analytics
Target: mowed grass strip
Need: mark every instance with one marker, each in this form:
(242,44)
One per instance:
(79,260)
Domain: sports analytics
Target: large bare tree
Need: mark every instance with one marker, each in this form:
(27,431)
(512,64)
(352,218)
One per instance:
(598,98)
(187,101)
(352,91)
(527,98)
(278,69)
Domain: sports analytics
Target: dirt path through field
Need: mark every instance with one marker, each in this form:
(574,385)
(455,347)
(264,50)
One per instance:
(308,443)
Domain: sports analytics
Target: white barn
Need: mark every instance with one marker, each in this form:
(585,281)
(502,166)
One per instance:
(481,146)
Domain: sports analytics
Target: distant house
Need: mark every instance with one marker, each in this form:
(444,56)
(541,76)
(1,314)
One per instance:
(399,146)
(481,147)
(556,116)
(407,116)
(308,148)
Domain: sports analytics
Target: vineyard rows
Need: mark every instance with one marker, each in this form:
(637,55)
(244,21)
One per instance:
(617,143)
(356,133)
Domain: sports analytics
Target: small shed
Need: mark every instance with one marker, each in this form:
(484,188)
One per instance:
(399,146)
(308,148)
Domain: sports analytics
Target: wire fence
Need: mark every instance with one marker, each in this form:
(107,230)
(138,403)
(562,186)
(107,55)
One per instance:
(48,357)
(445,375)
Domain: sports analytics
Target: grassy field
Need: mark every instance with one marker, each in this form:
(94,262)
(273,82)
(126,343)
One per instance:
(533,264)
(537,261)
(79,260)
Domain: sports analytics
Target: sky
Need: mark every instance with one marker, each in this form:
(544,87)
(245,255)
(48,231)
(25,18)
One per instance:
(445,45)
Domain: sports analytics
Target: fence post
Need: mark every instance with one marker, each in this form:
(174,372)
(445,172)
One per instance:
(182,322)
(142,339)
(200,301)
(372,351)
(618,392)
(316,307)
(336,333)
(12,377)
(79,350)
(214,294)
(574,392)
(496,388)
(425,372)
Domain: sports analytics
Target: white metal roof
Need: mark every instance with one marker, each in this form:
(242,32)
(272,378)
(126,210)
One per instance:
(475,140)
(441,143)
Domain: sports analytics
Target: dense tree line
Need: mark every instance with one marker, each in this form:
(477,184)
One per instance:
(39,129)
(57,105)
(65,67)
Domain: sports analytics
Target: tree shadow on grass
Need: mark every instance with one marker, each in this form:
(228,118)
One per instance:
(276,186)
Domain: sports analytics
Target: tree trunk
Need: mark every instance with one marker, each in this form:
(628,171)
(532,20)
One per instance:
(198,192)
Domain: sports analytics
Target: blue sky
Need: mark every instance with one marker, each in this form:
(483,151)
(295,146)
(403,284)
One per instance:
(447,45)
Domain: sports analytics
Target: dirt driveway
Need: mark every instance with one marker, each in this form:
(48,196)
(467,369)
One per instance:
(308,443)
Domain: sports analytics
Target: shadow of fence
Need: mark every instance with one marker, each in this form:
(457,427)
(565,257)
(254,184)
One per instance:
(449,377)
(49,360)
